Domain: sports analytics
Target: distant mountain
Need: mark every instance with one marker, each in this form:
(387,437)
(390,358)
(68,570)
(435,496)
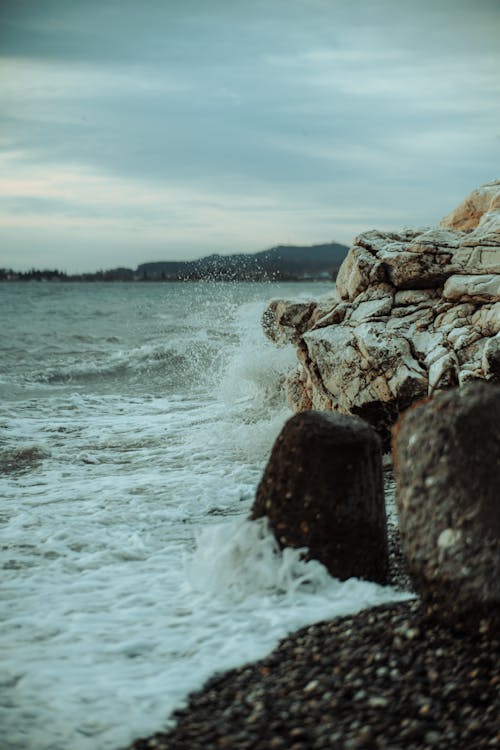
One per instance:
(287,262)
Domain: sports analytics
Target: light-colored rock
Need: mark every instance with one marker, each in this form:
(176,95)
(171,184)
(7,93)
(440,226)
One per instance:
(298,390)
(417,312)
(335,314)
(355,369)
(484,288)
(284,321)
(486,319)
(477,259)
(469,213)
(370,309)
(360,269)
(443,372)
(415,297)
(426,261)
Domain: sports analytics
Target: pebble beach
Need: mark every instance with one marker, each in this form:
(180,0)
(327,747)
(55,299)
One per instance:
(384,678)
(381,679)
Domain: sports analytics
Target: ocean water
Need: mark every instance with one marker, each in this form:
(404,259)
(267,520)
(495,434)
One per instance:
(135,421)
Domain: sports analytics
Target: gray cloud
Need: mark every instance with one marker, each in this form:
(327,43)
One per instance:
(330,114)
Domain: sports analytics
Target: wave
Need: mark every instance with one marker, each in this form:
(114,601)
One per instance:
(239,558)
(235,361)
(165,364)
(240,563)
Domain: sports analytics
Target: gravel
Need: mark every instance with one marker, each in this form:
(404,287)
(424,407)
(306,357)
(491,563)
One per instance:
(385,678)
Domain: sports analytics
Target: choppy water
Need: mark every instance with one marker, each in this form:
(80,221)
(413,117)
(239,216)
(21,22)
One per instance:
(135,421)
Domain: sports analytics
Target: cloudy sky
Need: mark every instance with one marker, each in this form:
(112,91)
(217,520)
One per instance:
(165,129)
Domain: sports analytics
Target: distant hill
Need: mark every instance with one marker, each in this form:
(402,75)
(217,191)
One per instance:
(287,262)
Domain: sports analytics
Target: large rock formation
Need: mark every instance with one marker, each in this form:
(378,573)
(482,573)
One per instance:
(414,312)
(446,459)
(323,489)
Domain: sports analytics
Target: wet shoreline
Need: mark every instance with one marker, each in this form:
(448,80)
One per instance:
(384,678)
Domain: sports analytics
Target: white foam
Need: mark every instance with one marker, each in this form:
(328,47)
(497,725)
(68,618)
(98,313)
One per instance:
(118,633)
(111,614)
(242,558)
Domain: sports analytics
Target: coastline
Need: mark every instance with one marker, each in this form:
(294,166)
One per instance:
(380,679)
(384,678)
(417,314)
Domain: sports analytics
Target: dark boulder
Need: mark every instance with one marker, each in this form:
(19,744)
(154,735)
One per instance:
(447,466)
(323,489)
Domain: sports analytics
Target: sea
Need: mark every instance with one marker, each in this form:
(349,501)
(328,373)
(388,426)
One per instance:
(135,423)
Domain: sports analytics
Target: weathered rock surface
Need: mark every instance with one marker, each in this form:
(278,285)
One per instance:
(485,200)
(447,467)
(323,489)
(416,312)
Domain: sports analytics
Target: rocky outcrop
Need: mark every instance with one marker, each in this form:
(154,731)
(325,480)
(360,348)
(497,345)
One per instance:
(485,200)
(415,312)
(322,490)
(446,459)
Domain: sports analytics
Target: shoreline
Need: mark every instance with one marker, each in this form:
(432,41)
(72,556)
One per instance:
(383,678)
(417,314)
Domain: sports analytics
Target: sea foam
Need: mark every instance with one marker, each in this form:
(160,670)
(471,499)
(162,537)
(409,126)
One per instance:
(121,588)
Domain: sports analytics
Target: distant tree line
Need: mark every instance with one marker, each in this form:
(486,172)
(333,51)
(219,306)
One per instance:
(46,274)
(226,274)
(284,263)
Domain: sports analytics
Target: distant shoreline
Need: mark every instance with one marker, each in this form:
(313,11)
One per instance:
(281,263)
(83,280)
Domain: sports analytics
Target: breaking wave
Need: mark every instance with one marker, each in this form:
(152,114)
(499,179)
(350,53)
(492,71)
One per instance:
(165,364)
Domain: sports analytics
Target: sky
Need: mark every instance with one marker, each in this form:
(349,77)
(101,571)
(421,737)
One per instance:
(134,131)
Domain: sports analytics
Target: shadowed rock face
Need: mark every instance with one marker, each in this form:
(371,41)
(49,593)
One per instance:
(447,467)
(323,489)
(415,312)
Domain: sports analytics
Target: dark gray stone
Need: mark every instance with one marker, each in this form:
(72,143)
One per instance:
(323,489)
(447,467)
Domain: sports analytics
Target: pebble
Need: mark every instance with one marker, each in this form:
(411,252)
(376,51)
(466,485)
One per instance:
(345,684)
(299,709)
(311,686)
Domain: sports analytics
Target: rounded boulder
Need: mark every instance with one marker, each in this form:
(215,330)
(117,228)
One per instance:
(447,467)
(323,489)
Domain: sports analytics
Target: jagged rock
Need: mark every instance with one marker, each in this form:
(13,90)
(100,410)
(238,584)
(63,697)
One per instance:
(322,489)
(296,390)
(491,358)
(468,214)
(364,368)
(447,467)
(416,312)
(416,261)
(284,321)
